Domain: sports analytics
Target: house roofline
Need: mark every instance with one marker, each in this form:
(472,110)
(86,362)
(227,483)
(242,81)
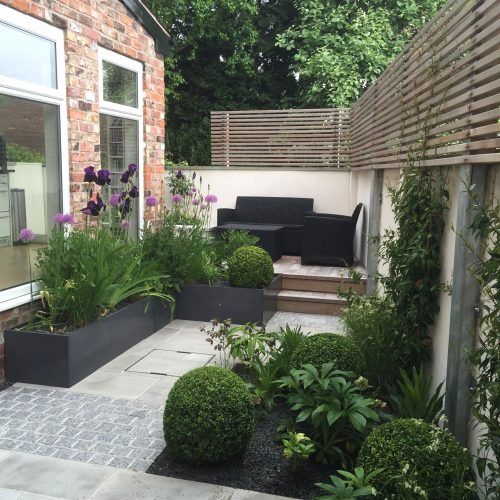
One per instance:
(151,24)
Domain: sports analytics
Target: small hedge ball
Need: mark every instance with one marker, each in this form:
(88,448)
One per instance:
(417,457)
(328,348)
(250,267)
(209,416)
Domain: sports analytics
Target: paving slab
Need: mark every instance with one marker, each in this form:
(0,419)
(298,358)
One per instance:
(51,476)
(313,323)
(119,385)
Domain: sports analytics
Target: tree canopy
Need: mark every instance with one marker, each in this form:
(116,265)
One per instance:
(261,54)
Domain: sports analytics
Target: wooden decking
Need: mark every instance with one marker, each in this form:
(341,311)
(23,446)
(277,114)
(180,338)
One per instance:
(314,289)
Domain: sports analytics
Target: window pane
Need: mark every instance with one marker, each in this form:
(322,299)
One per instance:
(30,193)
(27,57)
(119,148)
(119,85)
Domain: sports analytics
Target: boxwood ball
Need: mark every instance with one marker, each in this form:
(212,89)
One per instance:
(250,267)
(209,416)
(316,350)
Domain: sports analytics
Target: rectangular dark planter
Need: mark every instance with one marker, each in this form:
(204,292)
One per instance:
(64,359)
(203,302)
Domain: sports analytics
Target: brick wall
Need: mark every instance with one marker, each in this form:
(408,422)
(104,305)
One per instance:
(87,25)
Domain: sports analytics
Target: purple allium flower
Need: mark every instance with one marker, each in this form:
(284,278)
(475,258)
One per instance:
(151,201)
(63,219)
(193,189)
(190,193)
(211,198)
(103,177)
(195,202)
(114,200)
(26,235)
(180,175)
(132,168)
(125,224)
(177,198)
(126,176)
(89,175)
(134,192)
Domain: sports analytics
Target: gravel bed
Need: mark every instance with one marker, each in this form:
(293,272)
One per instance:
(262,468)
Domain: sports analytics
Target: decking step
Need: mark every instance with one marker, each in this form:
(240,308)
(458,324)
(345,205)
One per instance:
(308,302)
(323,284)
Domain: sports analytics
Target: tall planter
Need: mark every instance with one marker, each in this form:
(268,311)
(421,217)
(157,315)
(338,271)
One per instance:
(64,359)
(199,302)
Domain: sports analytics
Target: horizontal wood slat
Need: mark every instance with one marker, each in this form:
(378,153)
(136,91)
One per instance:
(440,97)
(445,83)
(292,137)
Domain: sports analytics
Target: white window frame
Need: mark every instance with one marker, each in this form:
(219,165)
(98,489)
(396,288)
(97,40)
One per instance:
(128,112)
(18,295)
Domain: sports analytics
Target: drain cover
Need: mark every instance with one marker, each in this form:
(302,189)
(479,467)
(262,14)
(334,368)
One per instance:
(174,363)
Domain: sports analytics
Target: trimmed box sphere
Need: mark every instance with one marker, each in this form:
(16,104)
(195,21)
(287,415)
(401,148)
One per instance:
(250,267)
(209,416)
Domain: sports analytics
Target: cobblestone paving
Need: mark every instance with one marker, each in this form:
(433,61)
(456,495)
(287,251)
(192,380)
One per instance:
(83,427)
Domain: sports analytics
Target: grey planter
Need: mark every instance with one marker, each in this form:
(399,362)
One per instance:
(203,302)
(64,359)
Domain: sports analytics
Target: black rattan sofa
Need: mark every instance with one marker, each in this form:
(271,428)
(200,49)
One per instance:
(287,212)
(328,238)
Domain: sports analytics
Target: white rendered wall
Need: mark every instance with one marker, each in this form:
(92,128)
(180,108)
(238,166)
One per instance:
(330,188)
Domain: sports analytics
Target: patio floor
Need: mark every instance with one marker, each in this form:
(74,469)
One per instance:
(96,439)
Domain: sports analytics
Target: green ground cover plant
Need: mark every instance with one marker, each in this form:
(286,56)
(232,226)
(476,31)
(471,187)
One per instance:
(209,416)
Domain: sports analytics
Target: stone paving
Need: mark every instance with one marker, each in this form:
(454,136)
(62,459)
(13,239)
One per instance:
(82,427)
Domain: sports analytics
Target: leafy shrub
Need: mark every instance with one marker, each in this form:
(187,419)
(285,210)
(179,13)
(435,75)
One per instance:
(85,274)
(413,397)
(369,322)
(350,485)
(22,154)
(177,251)
(316,350)
(250,267)
(231,240)
(209,416)
(266,356)
(331,407)
(419,460)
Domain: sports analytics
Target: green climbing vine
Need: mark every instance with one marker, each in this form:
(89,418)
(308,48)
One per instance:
(486,357)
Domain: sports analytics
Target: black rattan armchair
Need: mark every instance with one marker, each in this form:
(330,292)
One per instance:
(328,238)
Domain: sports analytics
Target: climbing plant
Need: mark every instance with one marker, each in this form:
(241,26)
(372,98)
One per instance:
(411,251)
(486,357)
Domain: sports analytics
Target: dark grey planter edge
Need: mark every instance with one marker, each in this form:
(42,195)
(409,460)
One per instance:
(62,360)
(200,302)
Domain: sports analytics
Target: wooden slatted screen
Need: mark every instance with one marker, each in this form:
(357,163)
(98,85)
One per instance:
(280,138)
(447,82)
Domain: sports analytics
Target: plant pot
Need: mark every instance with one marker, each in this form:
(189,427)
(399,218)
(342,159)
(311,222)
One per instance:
(64,359)
(203,302)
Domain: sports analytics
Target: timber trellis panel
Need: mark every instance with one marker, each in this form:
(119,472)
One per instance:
(280,138)
(439,101)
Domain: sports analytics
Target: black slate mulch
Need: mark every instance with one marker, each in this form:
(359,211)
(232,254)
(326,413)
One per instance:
(262,468)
